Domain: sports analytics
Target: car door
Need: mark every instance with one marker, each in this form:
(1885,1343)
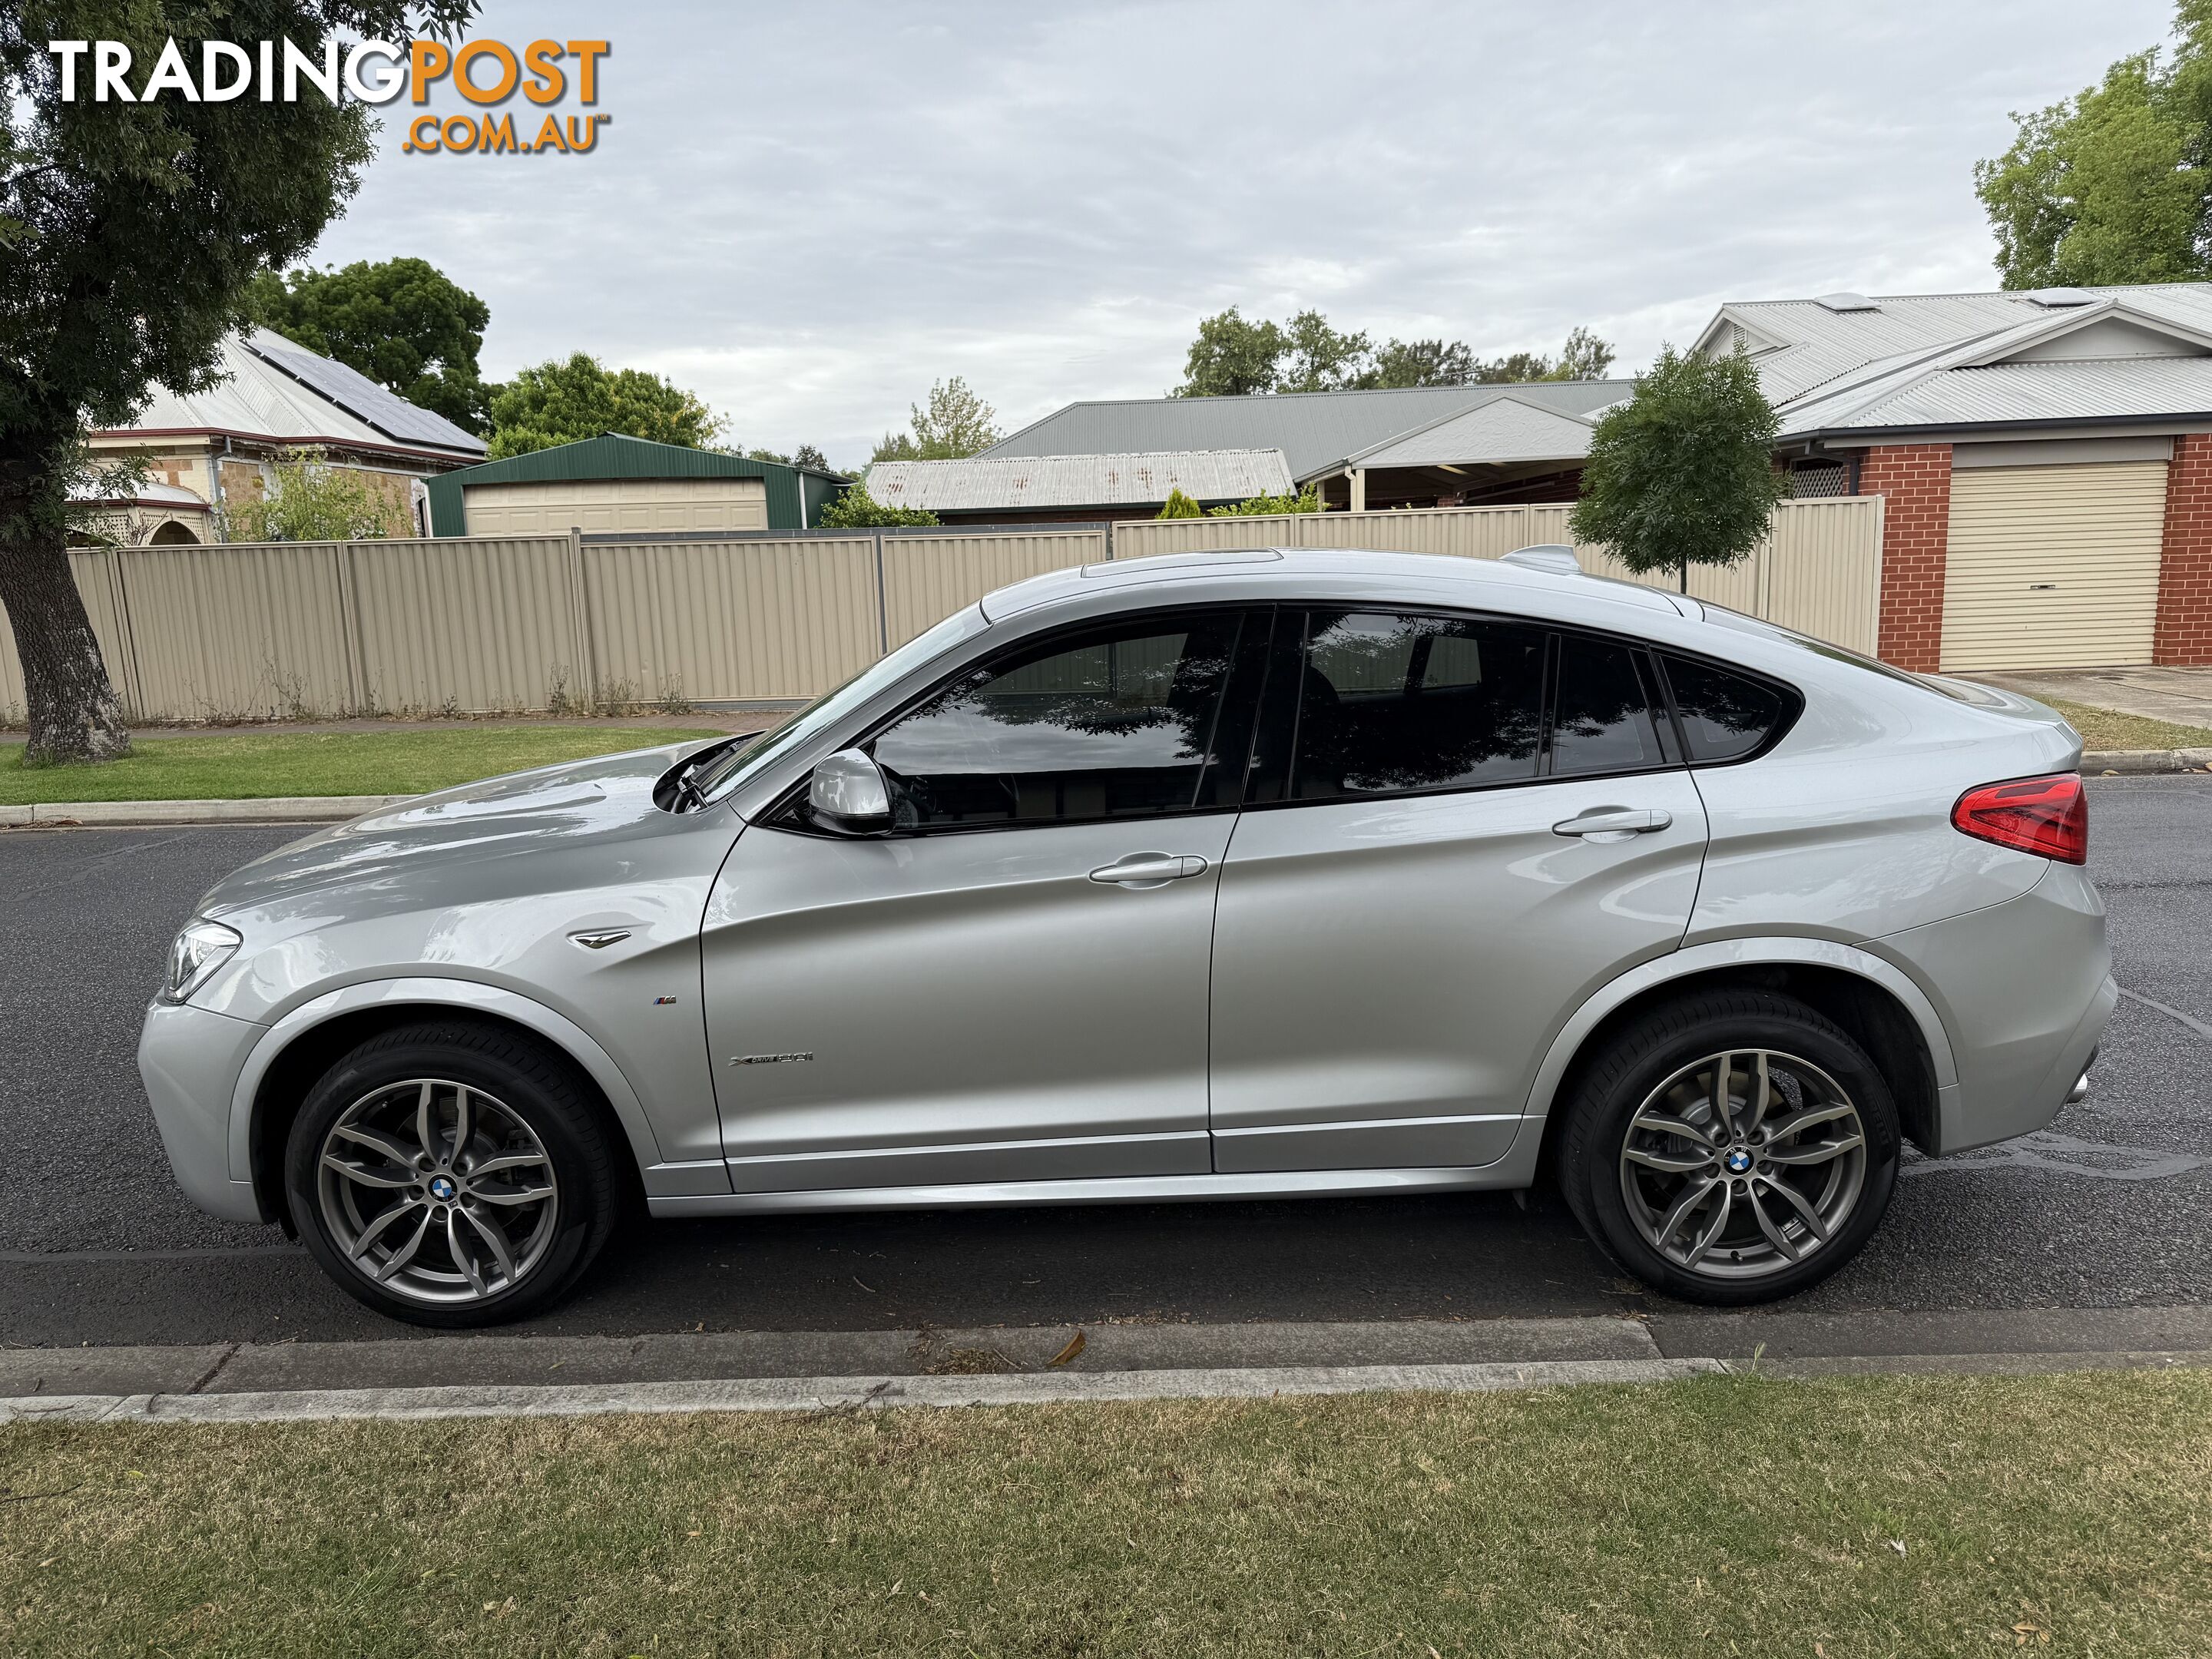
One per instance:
(1457,828)
(1011,985)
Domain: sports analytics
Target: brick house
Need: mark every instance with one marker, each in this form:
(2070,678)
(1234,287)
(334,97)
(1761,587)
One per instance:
(2044,459)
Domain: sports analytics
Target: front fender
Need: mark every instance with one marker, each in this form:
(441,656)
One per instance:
(662,1178)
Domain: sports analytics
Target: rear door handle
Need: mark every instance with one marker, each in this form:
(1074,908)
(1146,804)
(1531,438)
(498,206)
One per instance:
(1148,869)
(1616,823)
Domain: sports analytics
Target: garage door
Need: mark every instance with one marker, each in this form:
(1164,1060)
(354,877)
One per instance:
(2053,566)
(552,507)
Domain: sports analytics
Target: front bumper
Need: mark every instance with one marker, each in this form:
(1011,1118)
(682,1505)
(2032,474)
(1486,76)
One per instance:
(189,1059)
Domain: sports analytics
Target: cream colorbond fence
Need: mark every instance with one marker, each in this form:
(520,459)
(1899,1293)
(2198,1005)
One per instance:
(484,624)
(496,623)
(1818,571)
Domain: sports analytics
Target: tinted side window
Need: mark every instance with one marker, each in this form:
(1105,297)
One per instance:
(1113,723)
(1390,701)
(1604,721)
(1724,715)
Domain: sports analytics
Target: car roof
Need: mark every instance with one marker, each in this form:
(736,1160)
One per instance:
(1333,574)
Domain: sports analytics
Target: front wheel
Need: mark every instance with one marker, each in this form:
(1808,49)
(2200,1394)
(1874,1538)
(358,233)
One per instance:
(1734,1147)
(451,1175)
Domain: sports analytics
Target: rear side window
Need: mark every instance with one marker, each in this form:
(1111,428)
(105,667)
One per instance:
(1603,722)
(1389,703)
(1724,716)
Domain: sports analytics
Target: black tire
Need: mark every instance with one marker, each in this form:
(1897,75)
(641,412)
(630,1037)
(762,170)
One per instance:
(513,1080)
(1656,1050)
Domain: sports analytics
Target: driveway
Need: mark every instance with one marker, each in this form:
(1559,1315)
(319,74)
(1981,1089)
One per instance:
(2180,696)
(2111,1208)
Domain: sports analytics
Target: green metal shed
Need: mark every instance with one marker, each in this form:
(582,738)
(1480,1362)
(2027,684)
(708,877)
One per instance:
(796,494)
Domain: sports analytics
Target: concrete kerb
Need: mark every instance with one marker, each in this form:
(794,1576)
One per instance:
(2127,762)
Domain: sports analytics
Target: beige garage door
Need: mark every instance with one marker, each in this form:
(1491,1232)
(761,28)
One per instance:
(616,504)
(2053,566)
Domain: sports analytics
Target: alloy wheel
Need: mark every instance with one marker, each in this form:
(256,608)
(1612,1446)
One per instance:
(437,1191)
(1743,1163)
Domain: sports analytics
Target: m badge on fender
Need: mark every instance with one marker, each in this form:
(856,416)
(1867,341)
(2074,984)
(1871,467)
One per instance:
(769,1060)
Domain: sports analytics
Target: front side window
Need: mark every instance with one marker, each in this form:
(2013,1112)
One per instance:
(1115,722)
(1389,703)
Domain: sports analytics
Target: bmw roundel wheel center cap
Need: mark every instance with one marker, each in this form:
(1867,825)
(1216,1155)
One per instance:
(442,1189)
(1738,1161)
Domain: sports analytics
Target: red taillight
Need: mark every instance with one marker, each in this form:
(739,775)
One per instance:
(2048,815)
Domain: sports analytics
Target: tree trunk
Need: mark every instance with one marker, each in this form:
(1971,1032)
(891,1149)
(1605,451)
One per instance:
(73,709)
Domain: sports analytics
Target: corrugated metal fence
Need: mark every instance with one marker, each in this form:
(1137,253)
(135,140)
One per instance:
(483,624)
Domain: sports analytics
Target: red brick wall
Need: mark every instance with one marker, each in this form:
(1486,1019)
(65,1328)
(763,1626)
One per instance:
(2184,638)
(1915,534)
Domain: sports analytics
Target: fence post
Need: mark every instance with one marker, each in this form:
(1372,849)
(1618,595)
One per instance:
(118,601)
(580,619)
(350,630)
(883,601)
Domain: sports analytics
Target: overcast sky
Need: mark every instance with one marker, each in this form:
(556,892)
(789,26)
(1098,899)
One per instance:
(809,213)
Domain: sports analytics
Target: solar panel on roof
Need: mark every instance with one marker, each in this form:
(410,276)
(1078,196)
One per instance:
(361,398)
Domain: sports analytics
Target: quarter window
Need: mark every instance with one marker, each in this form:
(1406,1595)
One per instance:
(1114,723)
(1389,703)
(1724,716)
(1603,722)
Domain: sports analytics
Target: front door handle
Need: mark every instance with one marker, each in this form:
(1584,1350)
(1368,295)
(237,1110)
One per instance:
(1615,823)
(1148,869)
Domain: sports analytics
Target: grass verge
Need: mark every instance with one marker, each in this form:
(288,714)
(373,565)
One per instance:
(249,766)
(1869,1515)
(2108,729)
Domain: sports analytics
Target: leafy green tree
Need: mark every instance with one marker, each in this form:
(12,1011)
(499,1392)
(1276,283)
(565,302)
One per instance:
(315,501)
(1317,358)
(1234,356)
(1180,506)
(1304,500)
(1231,357)
(1683,473)
(1425,363)
(2113,185)
(561,401)
(957,423)
(856,509)
(128,233)
(404,323)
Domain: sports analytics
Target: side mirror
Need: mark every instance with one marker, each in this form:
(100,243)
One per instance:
(848,792)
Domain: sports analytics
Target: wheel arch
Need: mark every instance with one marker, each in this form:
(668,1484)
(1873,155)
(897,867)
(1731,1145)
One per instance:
(304,1043)
(1874,1000)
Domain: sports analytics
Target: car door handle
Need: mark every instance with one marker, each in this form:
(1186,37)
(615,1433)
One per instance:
(1148,869)
(1611,821)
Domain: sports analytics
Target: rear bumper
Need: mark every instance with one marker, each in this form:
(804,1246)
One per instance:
(2024,989)
(189,1059)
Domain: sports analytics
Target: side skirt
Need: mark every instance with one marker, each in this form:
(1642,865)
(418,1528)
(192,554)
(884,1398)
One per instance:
(1508,1172)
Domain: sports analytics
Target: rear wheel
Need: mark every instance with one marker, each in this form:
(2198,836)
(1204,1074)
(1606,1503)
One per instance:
(1730,1148)
(451,1175)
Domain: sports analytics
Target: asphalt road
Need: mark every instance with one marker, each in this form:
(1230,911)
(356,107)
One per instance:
(2110,1208)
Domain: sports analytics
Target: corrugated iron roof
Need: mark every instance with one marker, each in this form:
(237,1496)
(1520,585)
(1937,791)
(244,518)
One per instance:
(258,398)
(988,482)
(1312,428)
(1926,360)
(796,496)
(1500,432)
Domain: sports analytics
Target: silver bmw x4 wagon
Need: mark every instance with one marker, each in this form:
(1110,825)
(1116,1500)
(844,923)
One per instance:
(1243,875)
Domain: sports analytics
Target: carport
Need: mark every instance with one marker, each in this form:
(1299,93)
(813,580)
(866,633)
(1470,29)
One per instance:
(1509,450)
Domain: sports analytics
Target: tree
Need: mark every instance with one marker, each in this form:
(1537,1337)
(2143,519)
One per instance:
(1180,506)
(1231,357)
(2113,185)
(128,235)
(957,424)
(1234,356)
(856,509)
(1304,500)
(315,501)
(561,401)
(1683,473)
(1425,363)
(403,323)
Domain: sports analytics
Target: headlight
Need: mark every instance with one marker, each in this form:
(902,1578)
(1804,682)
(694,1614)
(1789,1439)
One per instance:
(201,949)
